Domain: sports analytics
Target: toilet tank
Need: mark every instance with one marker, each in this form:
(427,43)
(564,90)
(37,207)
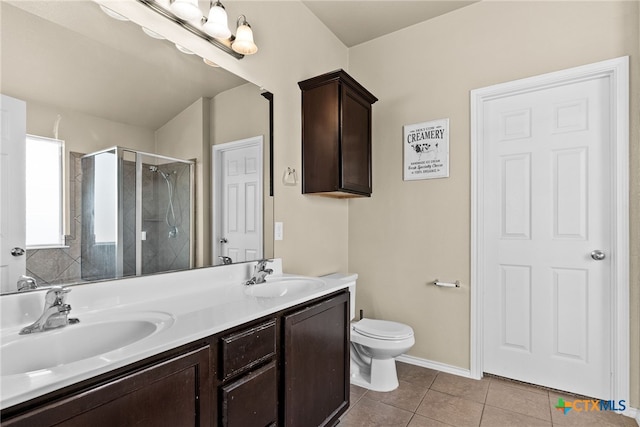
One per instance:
(351,279)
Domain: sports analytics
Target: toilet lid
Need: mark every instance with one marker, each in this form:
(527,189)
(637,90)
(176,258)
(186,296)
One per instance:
(383,329)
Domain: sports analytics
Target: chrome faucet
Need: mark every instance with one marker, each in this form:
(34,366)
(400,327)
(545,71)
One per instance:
(225,260)
(54,314)
(26,283)
(260,272)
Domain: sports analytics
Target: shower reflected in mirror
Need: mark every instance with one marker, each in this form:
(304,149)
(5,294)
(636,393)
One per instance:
(137,211)
(171,221)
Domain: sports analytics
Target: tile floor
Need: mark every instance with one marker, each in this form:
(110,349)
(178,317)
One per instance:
(428,398)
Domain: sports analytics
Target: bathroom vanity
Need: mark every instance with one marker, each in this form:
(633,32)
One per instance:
(288,365)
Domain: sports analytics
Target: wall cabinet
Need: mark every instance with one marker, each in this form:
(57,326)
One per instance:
(290,368)
(336,136)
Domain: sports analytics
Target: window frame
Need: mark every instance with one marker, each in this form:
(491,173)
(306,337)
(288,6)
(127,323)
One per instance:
(60,242)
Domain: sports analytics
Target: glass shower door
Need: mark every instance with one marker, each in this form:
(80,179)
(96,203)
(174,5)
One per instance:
(100,236)
(165,203)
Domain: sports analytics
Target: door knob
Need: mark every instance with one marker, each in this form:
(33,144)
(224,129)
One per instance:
(598,255)
(17,251)
(224,240)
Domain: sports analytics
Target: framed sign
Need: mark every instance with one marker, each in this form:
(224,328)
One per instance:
(426,150)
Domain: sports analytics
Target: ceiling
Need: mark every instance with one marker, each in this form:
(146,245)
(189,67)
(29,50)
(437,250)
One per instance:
(71,55)
(41,39)
(355,22)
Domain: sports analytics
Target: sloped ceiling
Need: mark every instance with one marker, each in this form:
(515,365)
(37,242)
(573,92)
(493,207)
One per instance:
(355,22)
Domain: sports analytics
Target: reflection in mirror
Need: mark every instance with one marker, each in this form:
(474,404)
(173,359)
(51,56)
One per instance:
(104,88)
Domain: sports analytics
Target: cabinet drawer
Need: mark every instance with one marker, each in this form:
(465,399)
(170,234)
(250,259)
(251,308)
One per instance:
(251,401)
(244,349)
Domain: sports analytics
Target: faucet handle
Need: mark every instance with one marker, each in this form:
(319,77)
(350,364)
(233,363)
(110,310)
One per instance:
(225,260)
(56,295)
(26,283)
(262,263)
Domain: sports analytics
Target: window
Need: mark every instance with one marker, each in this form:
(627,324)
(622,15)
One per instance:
(105,197)
(44,192)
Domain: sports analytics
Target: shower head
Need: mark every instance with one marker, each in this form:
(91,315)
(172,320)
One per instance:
(155,169)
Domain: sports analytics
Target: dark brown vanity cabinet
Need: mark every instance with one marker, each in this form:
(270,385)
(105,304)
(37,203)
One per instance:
(172,392)
(336,136)
(248,372)
(288,369)
(316,363)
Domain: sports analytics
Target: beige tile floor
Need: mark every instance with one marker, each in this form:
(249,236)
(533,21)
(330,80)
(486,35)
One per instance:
(428,398)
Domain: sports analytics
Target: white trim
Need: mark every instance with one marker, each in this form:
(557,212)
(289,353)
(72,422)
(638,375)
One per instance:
(438,366)
(632,413)
(617,70)
(216,203)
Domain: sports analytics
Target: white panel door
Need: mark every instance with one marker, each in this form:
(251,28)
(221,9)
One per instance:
(241,210)
(547,300)
(13,122)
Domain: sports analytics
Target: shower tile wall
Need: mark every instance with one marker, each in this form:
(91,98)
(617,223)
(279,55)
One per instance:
(81,262)
(62,265)
(160,252)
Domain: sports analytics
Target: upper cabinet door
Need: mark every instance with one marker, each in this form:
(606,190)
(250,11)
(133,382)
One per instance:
(355,147)
(336,136)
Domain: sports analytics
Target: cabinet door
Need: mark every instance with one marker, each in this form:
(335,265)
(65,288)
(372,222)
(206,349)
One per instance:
(355,147)
(251,401)
(176,392)
(316,363)
(320,134)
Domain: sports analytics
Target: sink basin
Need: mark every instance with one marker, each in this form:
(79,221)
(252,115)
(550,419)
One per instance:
(283,286)
(21,354)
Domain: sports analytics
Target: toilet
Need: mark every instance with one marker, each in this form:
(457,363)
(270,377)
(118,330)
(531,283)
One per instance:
(374,346)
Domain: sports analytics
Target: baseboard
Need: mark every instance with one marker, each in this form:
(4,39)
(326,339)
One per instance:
(438,366)
(633,413)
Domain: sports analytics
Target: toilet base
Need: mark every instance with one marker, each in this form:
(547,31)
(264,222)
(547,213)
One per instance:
(381,376)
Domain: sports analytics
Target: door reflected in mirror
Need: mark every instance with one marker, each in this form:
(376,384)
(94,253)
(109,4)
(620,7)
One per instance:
(96,83)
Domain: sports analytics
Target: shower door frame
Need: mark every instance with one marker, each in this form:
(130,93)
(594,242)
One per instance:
(139,155)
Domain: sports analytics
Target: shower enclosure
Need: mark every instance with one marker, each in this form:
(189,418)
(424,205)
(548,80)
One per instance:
(137,214)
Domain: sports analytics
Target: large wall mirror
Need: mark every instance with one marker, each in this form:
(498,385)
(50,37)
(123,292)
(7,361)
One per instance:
(122,179)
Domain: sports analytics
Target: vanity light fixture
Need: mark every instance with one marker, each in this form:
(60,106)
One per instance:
(185,9)
(113,14)
(216,24)
(243,42)
(210,63)
(184,49)
(214,27)
(152,34)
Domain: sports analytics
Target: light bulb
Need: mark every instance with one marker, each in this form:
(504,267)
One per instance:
(243,43)
(216,25)
(186,9)
(112,14)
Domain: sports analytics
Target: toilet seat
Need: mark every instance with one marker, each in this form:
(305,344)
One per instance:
(382,329)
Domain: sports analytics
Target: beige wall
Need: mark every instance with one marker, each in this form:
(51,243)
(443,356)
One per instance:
(315,229)
(186,136)
(410,233)
(84,133)
(242,113)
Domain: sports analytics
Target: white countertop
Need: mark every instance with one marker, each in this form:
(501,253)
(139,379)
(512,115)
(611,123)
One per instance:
(195,304)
